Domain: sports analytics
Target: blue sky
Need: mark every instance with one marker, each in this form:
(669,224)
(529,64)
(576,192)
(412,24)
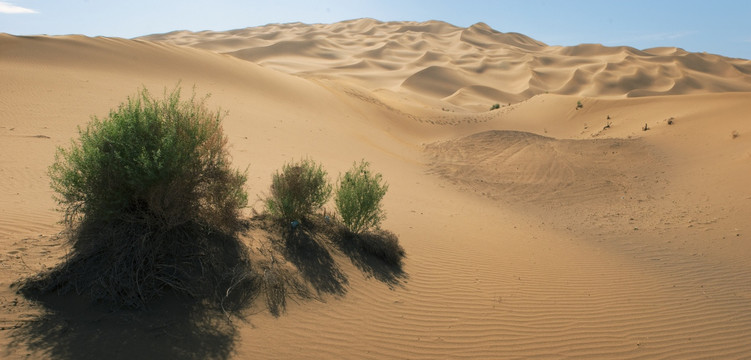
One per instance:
(720,27)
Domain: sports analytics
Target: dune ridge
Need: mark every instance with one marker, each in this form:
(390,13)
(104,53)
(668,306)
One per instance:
(443,61)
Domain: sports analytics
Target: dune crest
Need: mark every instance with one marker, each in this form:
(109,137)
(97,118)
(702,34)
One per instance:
(509,63)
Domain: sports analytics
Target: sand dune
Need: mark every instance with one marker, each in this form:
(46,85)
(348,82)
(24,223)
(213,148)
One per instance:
(522,167)
(479,55)
(536,230)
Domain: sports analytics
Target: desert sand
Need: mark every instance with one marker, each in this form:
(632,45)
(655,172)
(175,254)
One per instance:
(540,229)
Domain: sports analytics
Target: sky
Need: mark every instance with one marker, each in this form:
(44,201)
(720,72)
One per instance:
(720,27)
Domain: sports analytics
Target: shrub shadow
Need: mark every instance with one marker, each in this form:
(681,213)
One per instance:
(130,267)
(77,322)
(279,282)
(366,252)
(313,259)
(179,329)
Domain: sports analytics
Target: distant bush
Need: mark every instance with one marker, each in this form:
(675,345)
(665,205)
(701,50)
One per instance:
(298,191)
(358,198)
(579,105)
(142,191)
(495,106)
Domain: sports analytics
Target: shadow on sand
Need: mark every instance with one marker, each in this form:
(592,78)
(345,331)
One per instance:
(176,329)
(313,251)
(371,259)
(305,249)
(314,246)
(76,322)
(302,262)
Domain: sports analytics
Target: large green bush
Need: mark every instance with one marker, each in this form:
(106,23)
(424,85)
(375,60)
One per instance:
(161,161)
(358,198)
(143,190)
(298,190)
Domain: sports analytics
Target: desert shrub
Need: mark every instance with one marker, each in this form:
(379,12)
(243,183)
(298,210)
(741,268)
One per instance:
(150,200)
(358,198)
(495,106)
(300,189)
(159,161)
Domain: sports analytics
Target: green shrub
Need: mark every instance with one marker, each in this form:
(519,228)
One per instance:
(495,106)
(358,198)
(142,190)
(162,161)
(298,191)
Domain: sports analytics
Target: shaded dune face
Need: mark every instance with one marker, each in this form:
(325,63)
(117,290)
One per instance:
(445,62)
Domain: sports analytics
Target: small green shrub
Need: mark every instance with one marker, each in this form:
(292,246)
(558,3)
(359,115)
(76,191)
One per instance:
(149,195)
(298,191)
(579,105)
(495,106)
(358,198)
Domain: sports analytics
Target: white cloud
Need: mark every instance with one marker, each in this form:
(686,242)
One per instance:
(8,8)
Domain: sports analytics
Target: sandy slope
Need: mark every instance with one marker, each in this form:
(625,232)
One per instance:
(533,231)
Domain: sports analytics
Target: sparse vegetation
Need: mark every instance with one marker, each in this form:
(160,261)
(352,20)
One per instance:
(645,127)
(300,189)
(153,207)
(671,121)
(735,134)
(495,106)
(151,204)
(358,198)
(579,105)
